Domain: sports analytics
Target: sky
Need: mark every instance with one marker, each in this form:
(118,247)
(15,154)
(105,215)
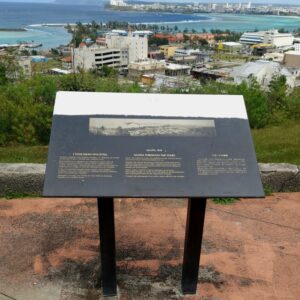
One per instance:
(290,2)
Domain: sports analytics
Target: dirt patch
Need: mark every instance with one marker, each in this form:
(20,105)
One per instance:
(86,275)
(138,250)
(209,274)
(5,205)
(249,251)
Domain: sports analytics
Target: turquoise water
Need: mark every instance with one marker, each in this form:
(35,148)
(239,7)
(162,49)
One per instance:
(48,36)
(243,22)
(21,15)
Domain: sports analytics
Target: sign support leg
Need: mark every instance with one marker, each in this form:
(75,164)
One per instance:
(192,246)
(107,245)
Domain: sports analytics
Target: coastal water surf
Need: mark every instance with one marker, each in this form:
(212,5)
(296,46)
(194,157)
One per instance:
(31,17)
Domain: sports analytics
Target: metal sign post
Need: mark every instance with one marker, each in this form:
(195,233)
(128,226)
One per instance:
(192,246)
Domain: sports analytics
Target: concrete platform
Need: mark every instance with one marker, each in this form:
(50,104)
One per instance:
(49,249)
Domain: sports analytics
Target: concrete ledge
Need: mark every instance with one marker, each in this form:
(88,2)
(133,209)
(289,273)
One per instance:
(22,178)
(281,177)
(29,178)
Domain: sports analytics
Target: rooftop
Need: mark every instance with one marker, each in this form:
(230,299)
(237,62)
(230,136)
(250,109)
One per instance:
(292,52)
(171,66)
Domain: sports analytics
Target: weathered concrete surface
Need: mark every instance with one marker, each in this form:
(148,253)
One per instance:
(29,178)
(281,177)
(22,178)
(49,249)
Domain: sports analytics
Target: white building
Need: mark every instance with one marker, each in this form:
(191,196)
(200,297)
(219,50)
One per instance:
(135,45)
(25,64)
(263,71)
(117,3)
(93,57)
(183,52)
(177,69)
(272,37)
(138,69)
(292,59)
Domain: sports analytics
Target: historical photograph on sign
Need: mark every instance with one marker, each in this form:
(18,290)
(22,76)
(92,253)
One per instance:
(151,127)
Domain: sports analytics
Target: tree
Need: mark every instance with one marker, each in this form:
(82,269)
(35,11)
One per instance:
(277,95)
(256,103)
(203,42)
(54,52)
(157,41)
(3,77)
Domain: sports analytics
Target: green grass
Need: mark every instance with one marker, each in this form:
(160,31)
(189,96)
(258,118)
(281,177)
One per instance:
(276,144)
(225,201)
(16,195)
(23,154)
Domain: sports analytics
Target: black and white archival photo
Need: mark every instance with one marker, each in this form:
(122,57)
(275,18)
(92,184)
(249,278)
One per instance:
(151,127)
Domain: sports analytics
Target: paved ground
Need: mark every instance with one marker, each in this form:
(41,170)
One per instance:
(49,249)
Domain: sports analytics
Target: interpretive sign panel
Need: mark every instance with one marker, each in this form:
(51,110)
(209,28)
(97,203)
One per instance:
(151,145)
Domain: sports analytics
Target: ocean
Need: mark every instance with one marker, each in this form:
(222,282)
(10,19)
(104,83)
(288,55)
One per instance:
(32,15)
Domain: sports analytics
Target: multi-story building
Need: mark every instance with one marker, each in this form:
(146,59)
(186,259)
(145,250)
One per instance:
(292,59)
(138,69)
(168,50)
(177,70)
(134,47)
(272,37)
(93,57)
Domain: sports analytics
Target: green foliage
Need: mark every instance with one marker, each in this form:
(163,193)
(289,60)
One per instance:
(158,41)
(225,201)
(293,104)
(3,77)
(268,191)
(277,95)
(255,98)
(6,114)
(278,143)
(18,195)
(26,107)
(256,103)
(23,154)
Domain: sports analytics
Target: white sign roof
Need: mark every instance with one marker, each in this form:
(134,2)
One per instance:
(164,105)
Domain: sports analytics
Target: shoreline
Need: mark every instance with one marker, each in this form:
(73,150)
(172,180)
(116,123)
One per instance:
(130,8)
(13,29)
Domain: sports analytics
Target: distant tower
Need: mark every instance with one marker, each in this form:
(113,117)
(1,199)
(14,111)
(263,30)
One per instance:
(249,5)
(227,5)
(214,6)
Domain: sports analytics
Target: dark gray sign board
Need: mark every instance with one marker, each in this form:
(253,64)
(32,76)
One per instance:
(108,145)
(151,145)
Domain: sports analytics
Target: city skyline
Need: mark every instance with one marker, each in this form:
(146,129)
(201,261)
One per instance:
(278,2)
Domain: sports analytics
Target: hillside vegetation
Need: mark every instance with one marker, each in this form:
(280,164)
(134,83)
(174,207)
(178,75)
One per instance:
(26,108)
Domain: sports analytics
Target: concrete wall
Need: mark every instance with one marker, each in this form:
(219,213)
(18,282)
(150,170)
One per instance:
(29,178)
